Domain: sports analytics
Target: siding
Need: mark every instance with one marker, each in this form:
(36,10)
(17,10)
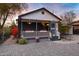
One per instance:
(38,15)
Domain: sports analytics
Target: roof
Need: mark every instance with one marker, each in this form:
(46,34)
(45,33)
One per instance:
(75,23)
(38,10)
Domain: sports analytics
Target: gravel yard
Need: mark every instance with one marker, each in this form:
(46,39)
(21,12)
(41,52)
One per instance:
(44,48)
(47,48)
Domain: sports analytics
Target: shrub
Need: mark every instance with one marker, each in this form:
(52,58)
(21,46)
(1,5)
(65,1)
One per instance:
(7,32)
(22,41)
(63,29)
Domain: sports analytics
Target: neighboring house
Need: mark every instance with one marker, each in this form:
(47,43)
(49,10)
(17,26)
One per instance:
(38,24)
(76,27)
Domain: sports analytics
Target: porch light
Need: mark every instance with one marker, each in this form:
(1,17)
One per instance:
(29,22)
(47,24)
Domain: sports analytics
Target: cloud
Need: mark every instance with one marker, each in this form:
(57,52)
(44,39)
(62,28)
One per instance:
(57,8)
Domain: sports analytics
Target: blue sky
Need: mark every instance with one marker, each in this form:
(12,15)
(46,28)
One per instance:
(57,8)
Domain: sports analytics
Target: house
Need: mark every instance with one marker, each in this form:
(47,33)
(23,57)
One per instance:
(38,24)
(76,27)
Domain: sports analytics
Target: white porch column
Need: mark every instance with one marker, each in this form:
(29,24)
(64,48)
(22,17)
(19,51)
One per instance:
(56,26)
(37,38)
(57,32)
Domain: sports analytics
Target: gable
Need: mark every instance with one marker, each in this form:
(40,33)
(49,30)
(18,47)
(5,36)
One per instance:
(41,14)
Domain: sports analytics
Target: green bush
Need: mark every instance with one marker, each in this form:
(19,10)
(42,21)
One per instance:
(7,32)
(22,41)
(63,29)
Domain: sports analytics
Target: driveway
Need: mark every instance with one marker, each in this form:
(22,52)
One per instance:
(47,48)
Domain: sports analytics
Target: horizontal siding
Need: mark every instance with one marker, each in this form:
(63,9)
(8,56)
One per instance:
(39,16)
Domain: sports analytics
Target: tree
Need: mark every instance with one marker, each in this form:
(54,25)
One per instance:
(8,10)
(68,17)
(66,24)
(63,29)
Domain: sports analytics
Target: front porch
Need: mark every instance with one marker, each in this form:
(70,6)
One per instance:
(35,29)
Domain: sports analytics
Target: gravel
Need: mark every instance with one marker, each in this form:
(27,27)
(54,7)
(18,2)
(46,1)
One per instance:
(47,48)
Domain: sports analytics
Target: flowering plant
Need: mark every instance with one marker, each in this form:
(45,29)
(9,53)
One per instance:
(14,31)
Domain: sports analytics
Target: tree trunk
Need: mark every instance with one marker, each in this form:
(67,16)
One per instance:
(1,28)
(4,20)
(1,31)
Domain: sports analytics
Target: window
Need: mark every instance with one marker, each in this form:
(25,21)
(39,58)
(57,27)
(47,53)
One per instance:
(53,25)
(43,12)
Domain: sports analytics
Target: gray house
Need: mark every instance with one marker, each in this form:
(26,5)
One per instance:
(38,24)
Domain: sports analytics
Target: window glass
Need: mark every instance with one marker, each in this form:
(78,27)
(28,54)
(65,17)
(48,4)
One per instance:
(53,25)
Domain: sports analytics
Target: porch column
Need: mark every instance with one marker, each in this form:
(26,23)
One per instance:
(57,32)
(21,29)
(37,38)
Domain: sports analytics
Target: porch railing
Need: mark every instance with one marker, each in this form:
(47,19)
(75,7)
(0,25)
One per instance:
(32,34)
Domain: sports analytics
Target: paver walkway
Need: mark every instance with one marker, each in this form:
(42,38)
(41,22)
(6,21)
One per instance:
(9,41)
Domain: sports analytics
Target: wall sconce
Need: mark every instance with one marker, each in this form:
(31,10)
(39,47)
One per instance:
(47,24)
(29,22)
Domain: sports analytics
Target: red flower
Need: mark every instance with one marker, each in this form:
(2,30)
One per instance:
(14,31)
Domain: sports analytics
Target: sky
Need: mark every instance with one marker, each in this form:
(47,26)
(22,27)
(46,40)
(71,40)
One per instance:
(57,8)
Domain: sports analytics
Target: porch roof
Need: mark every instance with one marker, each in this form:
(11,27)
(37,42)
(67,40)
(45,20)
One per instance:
(75,23)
